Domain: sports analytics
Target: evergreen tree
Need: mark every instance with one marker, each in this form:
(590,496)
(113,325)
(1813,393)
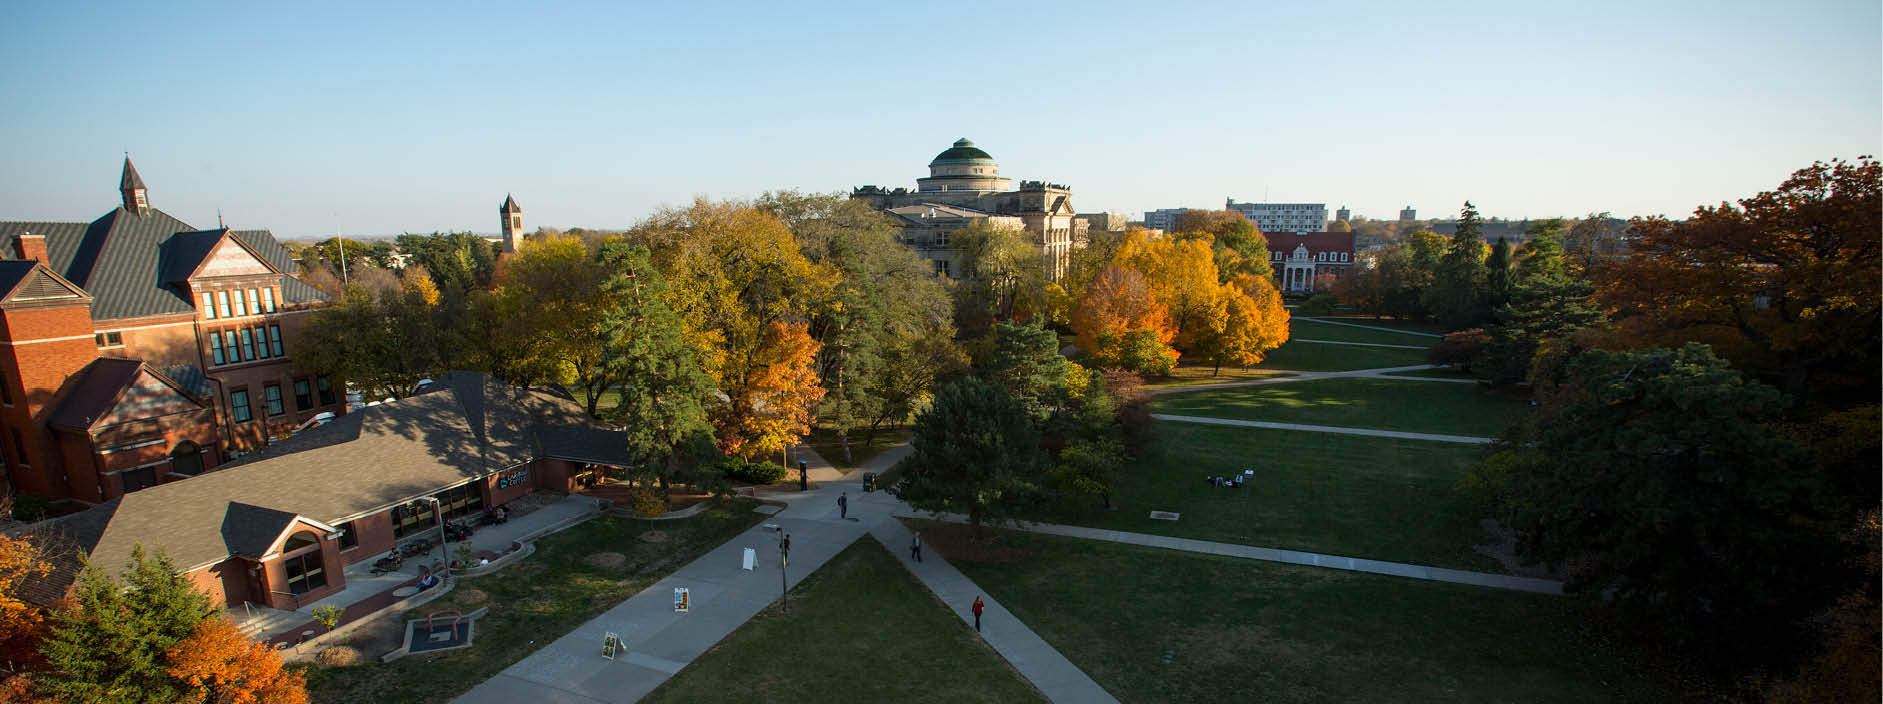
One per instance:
(1497,275)
(645,354)
(1026,362)
(1457,296)
(974,451)
(1546,303)
(111,645)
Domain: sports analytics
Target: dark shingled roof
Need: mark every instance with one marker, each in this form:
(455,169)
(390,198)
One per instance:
(95,392)
(63,543)
(130,178)
(362,462)
(249,530)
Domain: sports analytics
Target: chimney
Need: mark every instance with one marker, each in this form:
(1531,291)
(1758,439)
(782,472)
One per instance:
(33,247)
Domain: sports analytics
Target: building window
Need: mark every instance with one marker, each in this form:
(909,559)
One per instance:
(271,397)
(248,344)
(228,341)
(461,501)
(261,343)
(215,347)
(411,518)
(274,338)
(209,305)
(222,303)
(303,395)
(241,308)
(306,571)
(348,538)
(326,390)
(238,406)
(268,300)
(254,302)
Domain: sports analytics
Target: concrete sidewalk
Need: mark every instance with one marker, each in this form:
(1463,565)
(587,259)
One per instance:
(1369,327)
(1031,655)
(1396,434)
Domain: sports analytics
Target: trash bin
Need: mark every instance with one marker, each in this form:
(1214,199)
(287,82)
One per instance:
(869,481)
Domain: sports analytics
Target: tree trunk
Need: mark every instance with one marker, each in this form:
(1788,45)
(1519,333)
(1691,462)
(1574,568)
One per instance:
(1219,368)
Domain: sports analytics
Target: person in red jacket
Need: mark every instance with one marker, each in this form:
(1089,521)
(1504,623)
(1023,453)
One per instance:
(978,606)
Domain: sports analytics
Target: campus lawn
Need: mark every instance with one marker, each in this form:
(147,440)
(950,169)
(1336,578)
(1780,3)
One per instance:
(861,629)
(1318,357)
(1435,373)
(1382,404)
(539,599)
(1396,323)
(1312,330)
(824,441)
(1160,625)
(1194,374)
(1346,495)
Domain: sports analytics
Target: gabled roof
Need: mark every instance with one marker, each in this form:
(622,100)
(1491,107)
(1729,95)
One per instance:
(101,387)
(249,530)
(26,282)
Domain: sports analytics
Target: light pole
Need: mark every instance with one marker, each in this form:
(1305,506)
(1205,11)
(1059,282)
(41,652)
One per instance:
(784,560)
(438,517)
(1248,479)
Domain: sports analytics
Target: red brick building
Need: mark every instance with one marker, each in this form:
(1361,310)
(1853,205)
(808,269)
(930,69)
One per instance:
(1305,261)
(136,348)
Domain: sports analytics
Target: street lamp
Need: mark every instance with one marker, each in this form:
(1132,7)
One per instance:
(438,518)
(784,560)
(1248,478)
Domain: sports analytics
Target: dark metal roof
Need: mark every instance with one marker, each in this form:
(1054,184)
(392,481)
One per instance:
(509,205)
(963,152)
(130,179)
(95,392)
(191,379)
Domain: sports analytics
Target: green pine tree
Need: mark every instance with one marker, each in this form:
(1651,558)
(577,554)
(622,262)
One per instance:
(974,451)
(1457,295)
(109,647)
(1026,362)
(662,385)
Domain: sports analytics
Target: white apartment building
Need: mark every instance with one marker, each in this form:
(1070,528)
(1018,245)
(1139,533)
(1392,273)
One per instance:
(1283,217)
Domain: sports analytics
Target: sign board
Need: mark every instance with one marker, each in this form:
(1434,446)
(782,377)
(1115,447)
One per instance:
(680,600)
(751,559)
(611,643)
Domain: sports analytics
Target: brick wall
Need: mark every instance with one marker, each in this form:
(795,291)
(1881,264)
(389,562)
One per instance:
(276,574)
(34,374)
(375,538)
(494,496)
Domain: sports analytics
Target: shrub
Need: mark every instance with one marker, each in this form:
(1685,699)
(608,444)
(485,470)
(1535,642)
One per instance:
(337,656)
(753,471)
(1136,350)
(1321,304)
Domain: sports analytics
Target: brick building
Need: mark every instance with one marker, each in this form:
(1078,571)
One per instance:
(136,347)
(1305,261)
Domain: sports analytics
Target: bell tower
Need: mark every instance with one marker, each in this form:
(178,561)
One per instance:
(131,186)
(512,223)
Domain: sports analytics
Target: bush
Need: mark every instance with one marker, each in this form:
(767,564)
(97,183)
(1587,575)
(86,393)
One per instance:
(1137,350)
(337,656)
(30,507)
(1321,304)
(752,471)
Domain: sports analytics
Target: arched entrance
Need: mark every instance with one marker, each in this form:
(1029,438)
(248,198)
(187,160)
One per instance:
(186,459)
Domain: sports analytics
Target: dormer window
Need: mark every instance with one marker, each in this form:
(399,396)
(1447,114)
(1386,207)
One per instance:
(138,197)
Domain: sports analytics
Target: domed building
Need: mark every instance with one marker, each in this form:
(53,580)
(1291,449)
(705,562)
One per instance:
(964,186)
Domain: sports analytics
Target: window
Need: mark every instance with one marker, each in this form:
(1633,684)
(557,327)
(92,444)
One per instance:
(238,405)
(268,300)
(248,344)
(460,501)
(348,538)
(140,478)
(228,341)
(326,390)
(215,347)
(209,305)
(303,395)
(274,338)
(240,307)
(254,303)
(306,572)
(261,343)
(222,303)
(271,396)
(411,518)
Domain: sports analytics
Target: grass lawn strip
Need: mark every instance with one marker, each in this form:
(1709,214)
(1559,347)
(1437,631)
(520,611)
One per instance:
(1392,323)
(1380,404)
(824,441)
(1312,330)
(1352,496)
(1316,357)
(536,601)
(1439,373)
(861,629)
(1158,625)
(1194,374)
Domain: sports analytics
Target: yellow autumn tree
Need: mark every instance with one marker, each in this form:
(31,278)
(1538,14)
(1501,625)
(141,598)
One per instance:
(1181,274)
(770,395)
(1119,300)
(21,624)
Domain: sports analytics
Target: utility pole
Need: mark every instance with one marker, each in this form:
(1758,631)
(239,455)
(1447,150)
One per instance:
(784,560)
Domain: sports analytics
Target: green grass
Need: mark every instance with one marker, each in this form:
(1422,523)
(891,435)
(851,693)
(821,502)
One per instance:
(825,442)
(1312,330)
(1194,374)
(539,599)
(1395,323)
(1345,495)
(1438,373)
(1162,626)
(861,629)
(1383,404)
(1316,357)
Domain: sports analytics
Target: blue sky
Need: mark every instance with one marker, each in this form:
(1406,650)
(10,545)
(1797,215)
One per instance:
(378,118)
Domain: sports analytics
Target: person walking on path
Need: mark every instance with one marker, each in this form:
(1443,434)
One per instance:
(787,546)
(915,548)
(977,613)
(843,505)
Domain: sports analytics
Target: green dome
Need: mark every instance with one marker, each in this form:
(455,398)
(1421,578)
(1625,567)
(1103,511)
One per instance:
(964,152)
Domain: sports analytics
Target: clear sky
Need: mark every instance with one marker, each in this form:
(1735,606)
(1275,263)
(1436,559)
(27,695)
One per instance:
(378,118)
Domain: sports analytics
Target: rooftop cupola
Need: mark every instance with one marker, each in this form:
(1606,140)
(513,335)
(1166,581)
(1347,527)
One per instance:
(132,187)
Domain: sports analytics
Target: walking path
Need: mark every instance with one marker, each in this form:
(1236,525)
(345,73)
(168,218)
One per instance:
(659,643)
(1300,376)
(1402,435)
(1292,557)
(1359,344)
(1369,327)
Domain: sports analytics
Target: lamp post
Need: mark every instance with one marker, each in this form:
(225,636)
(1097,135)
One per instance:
(784,560)
(1248,479)
(438,518)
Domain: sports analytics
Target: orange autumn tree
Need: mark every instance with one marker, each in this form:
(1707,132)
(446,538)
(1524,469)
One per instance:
(1118,302)
(1181,274)
(770,394)
(218,665)
(21,624)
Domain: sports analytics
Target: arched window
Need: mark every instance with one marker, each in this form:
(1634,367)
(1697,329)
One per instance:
(300,540)
(306,571)
(186,459)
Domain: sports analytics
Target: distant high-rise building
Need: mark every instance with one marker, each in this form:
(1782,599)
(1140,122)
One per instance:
(1343,214)
(1407,214)
(1163,218)
(1283,217)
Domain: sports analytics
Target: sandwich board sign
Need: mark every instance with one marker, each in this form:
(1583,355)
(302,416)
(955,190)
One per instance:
(611,643)
(751,559)
(680,600)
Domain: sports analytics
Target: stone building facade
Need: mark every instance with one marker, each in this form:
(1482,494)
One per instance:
(964,183)
(136,347)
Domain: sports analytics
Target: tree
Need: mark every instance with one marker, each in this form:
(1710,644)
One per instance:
(1546,303)
(1457,295)
(458,261)
(1027,364)
(1655,478)
(1594,240)
(1497,275)
(1134,350)
(1183,276)
(1001,267)
(1786,282)
(216,664)
(662,390)
(769,406)
(974,451)
(22,625)
(1247,328)
(111,645)
(382,337)
(1239,246)
(911,369)
(1087,445)
(1340,226)
(549,306)
(1118,302)
(334,251)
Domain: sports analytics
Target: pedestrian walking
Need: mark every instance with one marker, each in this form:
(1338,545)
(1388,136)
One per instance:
(843,505)
(977,613)
(787,546)
(915,548)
